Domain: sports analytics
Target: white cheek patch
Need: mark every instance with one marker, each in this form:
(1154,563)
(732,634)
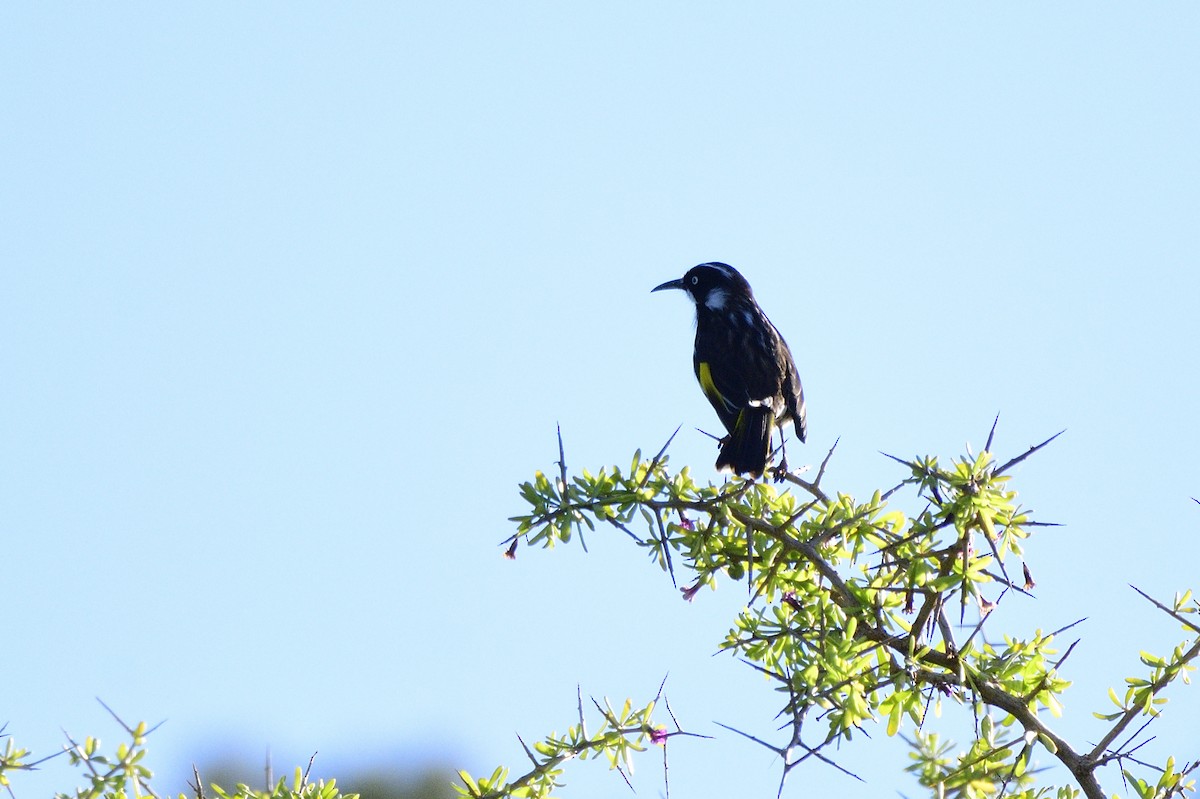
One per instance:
(715,300)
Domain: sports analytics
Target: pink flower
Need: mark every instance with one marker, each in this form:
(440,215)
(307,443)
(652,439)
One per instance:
(659,736)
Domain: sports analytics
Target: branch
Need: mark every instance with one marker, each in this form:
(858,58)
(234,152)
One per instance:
(844,596)
(1191,625)
(814,487)
(1081,767)
(1162,682)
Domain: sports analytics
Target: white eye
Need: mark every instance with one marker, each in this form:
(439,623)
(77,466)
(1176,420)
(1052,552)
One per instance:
(695,280)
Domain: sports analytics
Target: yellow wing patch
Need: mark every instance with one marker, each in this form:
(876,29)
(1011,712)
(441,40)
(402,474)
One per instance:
(709,386)
(704,375)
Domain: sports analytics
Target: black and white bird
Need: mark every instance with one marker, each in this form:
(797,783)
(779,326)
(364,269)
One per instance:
(744,367)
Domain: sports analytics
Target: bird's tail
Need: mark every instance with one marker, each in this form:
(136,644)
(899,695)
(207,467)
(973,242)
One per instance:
(746,449)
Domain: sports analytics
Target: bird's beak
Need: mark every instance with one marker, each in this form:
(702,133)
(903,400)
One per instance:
(670,284)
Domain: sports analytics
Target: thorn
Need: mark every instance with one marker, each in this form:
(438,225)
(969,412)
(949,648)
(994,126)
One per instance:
(198,788)
(992,434)
(828,457)
(900,461)
(1028,452)
(562,459)
(657,458)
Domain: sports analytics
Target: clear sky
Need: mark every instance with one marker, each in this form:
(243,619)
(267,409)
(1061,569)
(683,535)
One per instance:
(293,296)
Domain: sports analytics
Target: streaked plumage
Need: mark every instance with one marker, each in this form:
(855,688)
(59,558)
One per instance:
(744,366)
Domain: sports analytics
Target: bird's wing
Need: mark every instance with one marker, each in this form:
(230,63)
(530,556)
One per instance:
(791,389)
(722,390)
(793,397)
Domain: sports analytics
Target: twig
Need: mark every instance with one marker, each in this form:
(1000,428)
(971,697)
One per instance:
(814,488)
(1130,714)
(653,462)
(579,706)
(562,470)
(1169,611)
(529,752)
(825,462)
(1061,630)
(1058,663)
(992,434)
(304,780)
(666,545)
(1028,452)
(782,752)
(198,788)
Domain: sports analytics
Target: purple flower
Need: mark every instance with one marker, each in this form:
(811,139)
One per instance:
(659,735)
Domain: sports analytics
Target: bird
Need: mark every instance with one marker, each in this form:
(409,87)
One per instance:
(744,368)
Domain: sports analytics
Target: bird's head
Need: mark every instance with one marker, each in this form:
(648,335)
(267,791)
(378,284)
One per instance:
(712,285)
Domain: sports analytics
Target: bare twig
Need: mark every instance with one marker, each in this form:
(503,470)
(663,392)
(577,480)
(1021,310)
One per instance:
(562,486)
(1027,453)
(814,488)
(654,461)
(579,704)
(825,461)
(666,545)
(783,752)
(307,771)
(1191,625)
(198,787)
(528,752)
(992,433)
(1061,630)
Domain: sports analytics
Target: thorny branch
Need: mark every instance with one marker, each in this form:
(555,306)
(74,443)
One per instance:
(926,649)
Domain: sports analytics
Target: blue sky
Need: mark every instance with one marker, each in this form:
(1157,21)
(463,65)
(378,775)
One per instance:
(295,295)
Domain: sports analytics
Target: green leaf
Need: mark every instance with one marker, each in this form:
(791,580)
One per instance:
(894,718)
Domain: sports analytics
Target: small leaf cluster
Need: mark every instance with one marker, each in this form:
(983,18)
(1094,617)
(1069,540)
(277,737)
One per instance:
(123,773)
(111,775)
(13,759)
(298,788)
(565,506)
(1142,693)
(997,764)
(618,736)
(1171,782)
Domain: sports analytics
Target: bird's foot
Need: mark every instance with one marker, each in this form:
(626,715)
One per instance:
(779,473)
